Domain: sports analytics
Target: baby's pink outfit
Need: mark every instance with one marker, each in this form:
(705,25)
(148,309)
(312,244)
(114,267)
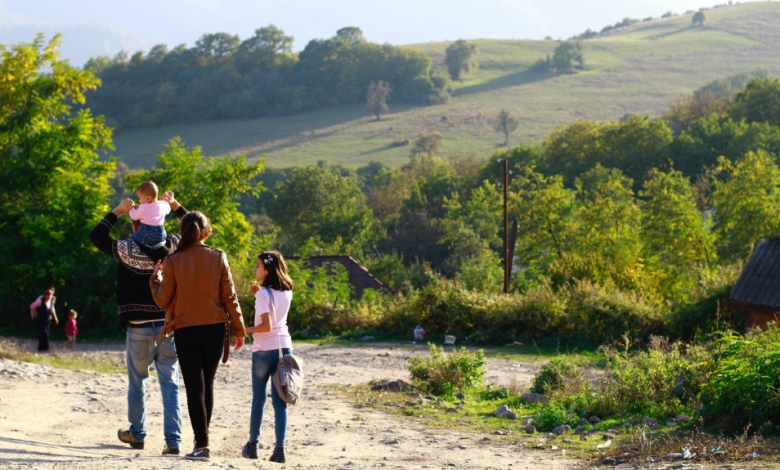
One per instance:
(151,213)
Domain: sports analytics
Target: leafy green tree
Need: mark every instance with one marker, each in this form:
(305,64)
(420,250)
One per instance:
(376,98)
(545,212)
(683,112)
(746,203)
(471,230)
(677,242)
(565,55)
(758,102)
(428,145)
(416,230)
(318,202)
(262,49)
(218,45)
(212,185)
(351,35)
(572,150)
(699,18)
(460,58)
(633,146)
(711,137)
(608,243)
(506,124)
(53,187)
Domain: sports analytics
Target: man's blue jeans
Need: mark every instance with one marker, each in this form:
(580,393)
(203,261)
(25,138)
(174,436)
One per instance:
(141,353)
(264,364)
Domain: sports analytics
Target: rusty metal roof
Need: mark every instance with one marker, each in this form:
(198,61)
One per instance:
(759,283)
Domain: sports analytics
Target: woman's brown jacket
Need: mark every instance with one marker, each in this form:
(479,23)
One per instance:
(195,288)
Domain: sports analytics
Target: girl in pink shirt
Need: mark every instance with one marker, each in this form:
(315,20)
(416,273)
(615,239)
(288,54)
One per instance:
(71,329)
(269,332)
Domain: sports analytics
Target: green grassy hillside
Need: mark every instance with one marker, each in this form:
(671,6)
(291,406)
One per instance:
(638,69)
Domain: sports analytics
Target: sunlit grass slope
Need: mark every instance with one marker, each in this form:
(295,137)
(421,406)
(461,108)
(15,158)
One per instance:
(635,70)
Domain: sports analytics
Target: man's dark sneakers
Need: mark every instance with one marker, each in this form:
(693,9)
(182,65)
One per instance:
(170,451)
(250,450)
(199,454)
(278,455)
(127,437)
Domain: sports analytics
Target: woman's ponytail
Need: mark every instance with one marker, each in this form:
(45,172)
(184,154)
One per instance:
(195,226)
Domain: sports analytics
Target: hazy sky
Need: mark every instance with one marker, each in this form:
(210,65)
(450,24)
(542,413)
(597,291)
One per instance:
(395,21)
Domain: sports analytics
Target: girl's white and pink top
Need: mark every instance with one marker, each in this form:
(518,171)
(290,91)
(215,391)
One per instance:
(268,341)
(151,213)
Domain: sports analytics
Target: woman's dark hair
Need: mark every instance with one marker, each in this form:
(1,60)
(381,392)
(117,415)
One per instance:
(277,277)
(195,226)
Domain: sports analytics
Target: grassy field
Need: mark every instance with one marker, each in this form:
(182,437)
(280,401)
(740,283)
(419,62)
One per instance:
(638,69)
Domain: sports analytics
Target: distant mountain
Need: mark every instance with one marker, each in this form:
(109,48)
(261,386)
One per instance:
(80,42)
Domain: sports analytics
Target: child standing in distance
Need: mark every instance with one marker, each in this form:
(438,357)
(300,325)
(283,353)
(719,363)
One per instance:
(151,213)
(270,271)
(71,329)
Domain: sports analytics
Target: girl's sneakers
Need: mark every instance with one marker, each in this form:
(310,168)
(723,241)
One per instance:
(201,454)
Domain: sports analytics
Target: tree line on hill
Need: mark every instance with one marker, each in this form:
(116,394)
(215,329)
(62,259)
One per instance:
(615,224)
(224,77)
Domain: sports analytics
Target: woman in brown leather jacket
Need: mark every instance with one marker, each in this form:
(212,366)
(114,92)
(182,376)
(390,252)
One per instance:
(195,287)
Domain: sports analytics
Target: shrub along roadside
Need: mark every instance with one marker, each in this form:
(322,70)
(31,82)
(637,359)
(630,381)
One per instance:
(323,305)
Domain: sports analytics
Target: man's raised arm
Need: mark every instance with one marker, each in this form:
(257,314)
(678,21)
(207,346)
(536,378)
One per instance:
(100,236)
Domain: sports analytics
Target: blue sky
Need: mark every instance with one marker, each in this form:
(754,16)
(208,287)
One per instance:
(143,23)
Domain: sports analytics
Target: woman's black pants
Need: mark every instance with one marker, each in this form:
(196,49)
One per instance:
(43,334)
(199,349)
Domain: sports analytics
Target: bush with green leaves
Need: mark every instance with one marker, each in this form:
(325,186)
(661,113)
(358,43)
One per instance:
(601,313)
(660,382)
(744,381)
(447,307)
(556,374)
(552,415)
(442,374)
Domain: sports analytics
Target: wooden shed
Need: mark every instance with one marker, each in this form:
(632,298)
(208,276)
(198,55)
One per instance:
(757,292)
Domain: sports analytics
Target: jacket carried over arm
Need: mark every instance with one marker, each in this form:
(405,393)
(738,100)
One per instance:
(135,265)
(196,288)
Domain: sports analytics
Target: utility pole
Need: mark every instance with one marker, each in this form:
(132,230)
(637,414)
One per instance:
(507,261)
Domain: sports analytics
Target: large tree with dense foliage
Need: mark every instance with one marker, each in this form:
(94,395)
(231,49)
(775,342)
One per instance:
(758,102)
(316,202)
(460,58)
(53,187)
(677,240)
(545,212)
(746,202)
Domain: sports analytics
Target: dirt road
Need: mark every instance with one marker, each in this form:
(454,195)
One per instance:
(53,418)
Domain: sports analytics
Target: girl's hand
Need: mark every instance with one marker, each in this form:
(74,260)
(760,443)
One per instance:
(255,288)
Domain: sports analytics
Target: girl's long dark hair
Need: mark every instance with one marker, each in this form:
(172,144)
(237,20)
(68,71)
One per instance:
(195,226)
(277,277)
